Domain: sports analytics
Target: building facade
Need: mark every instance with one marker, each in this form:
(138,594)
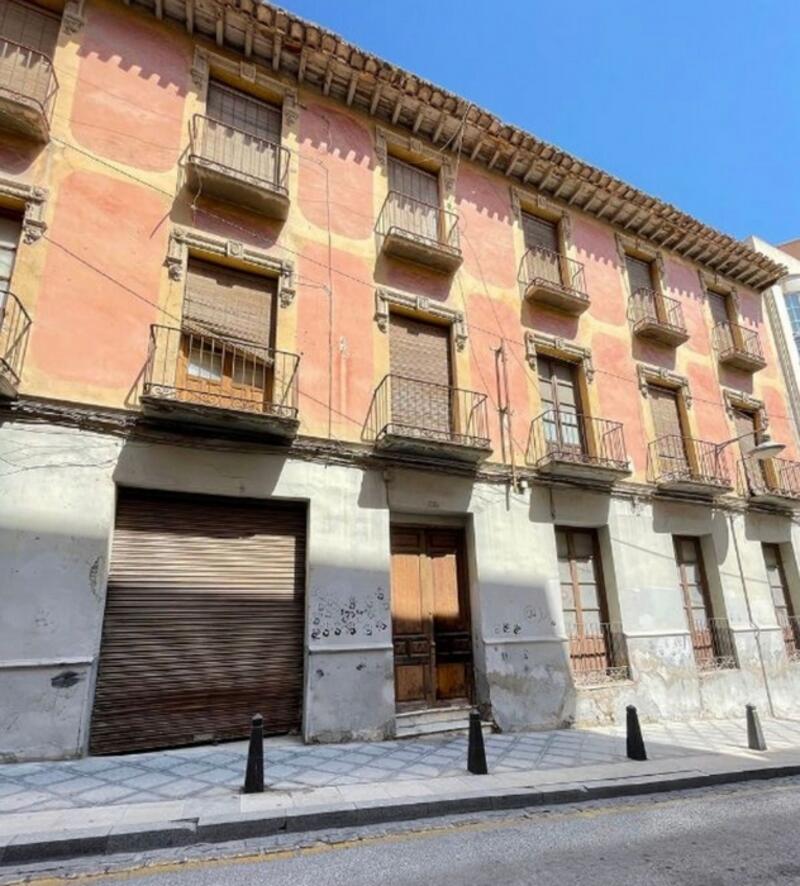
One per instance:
(326,394)
(782,302)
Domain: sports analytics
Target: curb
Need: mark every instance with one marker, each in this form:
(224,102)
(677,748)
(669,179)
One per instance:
(46,846)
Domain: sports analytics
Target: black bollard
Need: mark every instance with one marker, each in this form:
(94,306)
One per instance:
(755,737)
(254,775)
(636,749)
(476,753)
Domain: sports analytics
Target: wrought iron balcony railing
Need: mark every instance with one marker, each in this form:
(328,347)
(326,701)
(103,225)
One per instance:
(772,480)
(28,83)
(198,369)
(738,346)
(410,409)
(15,325)
(654,315)
(419,231)
(554,279)
(713,645)
(790,625)
(572,440)
(598,654)
(686,463)
(238,166)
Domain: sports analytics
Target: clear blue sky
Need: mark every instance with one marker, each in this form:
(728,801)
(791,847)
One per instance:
(694,101)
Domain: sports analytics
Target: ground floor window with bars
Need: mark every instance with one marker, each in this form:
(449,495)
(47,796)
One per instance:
(596,644)
(782,599)
(712,641)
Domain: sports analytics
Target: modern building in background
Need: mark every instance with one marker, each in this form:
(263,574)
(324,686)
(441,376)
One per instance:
(782,301)
(329,395)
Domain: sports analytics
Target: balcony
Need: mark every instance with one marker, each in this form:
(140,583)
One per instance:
(738,347)
(419,232)
(790,625)
(570,445)
(657,317)
(597,654)
(713,646)
(408,415)
(209,381)
(685,465)
(774,482)
(552,279)
(28,88)
(237,167)
(15,326)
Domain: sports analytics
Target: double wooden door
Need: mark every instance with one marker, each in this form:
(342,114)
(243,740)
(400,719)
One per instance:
(558,388)
(430,617)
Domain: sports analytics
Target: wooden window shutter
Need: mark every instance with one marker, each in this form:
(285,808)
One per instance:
(719,307)
(230,303)
(419,350)
(666,415)
(241,111)
(419,184)
(640,273)
(29,26)
(539,232)
(557,385)
(10,230)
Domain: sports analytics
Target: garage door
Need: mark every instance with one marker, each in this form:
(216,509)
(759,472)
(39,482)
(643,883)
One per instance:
(204,622)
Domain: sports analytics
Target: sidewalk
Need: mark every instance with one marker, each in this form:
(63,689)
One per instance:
(146,801)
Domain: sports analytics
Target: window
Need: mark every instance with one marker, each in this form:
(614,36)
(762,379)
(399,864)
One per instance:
(711,639)
(244,112)
(415,204)
(558,389)
(28,26)
(10,229)
(596,650)
(640,274)
(541,248)
(670,444)
(793,309)
(781,598)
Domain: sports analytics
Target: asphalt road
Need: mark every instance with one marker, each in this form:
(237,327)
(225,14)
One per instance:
(737,835)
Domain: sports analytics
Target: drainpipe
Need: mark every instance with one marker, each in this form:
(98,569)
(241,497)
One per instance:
(753,625)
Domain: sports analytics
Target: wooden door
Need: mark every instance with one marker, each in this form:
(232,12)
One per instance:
(430,617)
(245,134)
(725,334)
(416,208)
(558,387)
(673,459)
(227,321)
(419,357)
(640,280)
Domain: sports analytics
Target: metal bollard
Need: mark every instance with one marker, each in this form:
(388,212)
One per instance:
(476,752)
(755,736)
(635,743)
(254,774)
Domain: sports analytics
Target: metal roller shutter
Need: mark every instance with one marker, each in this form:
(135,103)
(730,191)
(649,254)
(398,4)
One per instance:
(204,622)
(539,232)
(640,274)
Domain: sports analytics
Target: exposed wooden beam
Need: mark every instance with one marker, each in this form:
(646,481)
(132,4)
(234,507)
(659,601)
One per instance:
(220,35)
(326,86)
(351,89)
(512,162)
(439,127)
(189,16)
(398,106)
(277,42)
(159,9)
(495,158)
(529,171)
(301,68)
(248,40)
(476,148)
(376,97)
(418,119)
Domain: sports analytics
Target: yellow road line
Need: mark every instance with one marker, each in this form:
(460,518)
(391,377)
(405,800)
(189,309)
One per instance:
(424,833)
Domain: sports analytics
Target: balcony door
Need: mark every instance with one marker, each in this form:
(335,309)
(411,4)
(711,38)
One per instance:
(781,597)
(541,249)
(430,617)
(415,206)
(419,357)
(243,133)
(673,460)
(640,280)
(755,471)
(558,388)
(227,328)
